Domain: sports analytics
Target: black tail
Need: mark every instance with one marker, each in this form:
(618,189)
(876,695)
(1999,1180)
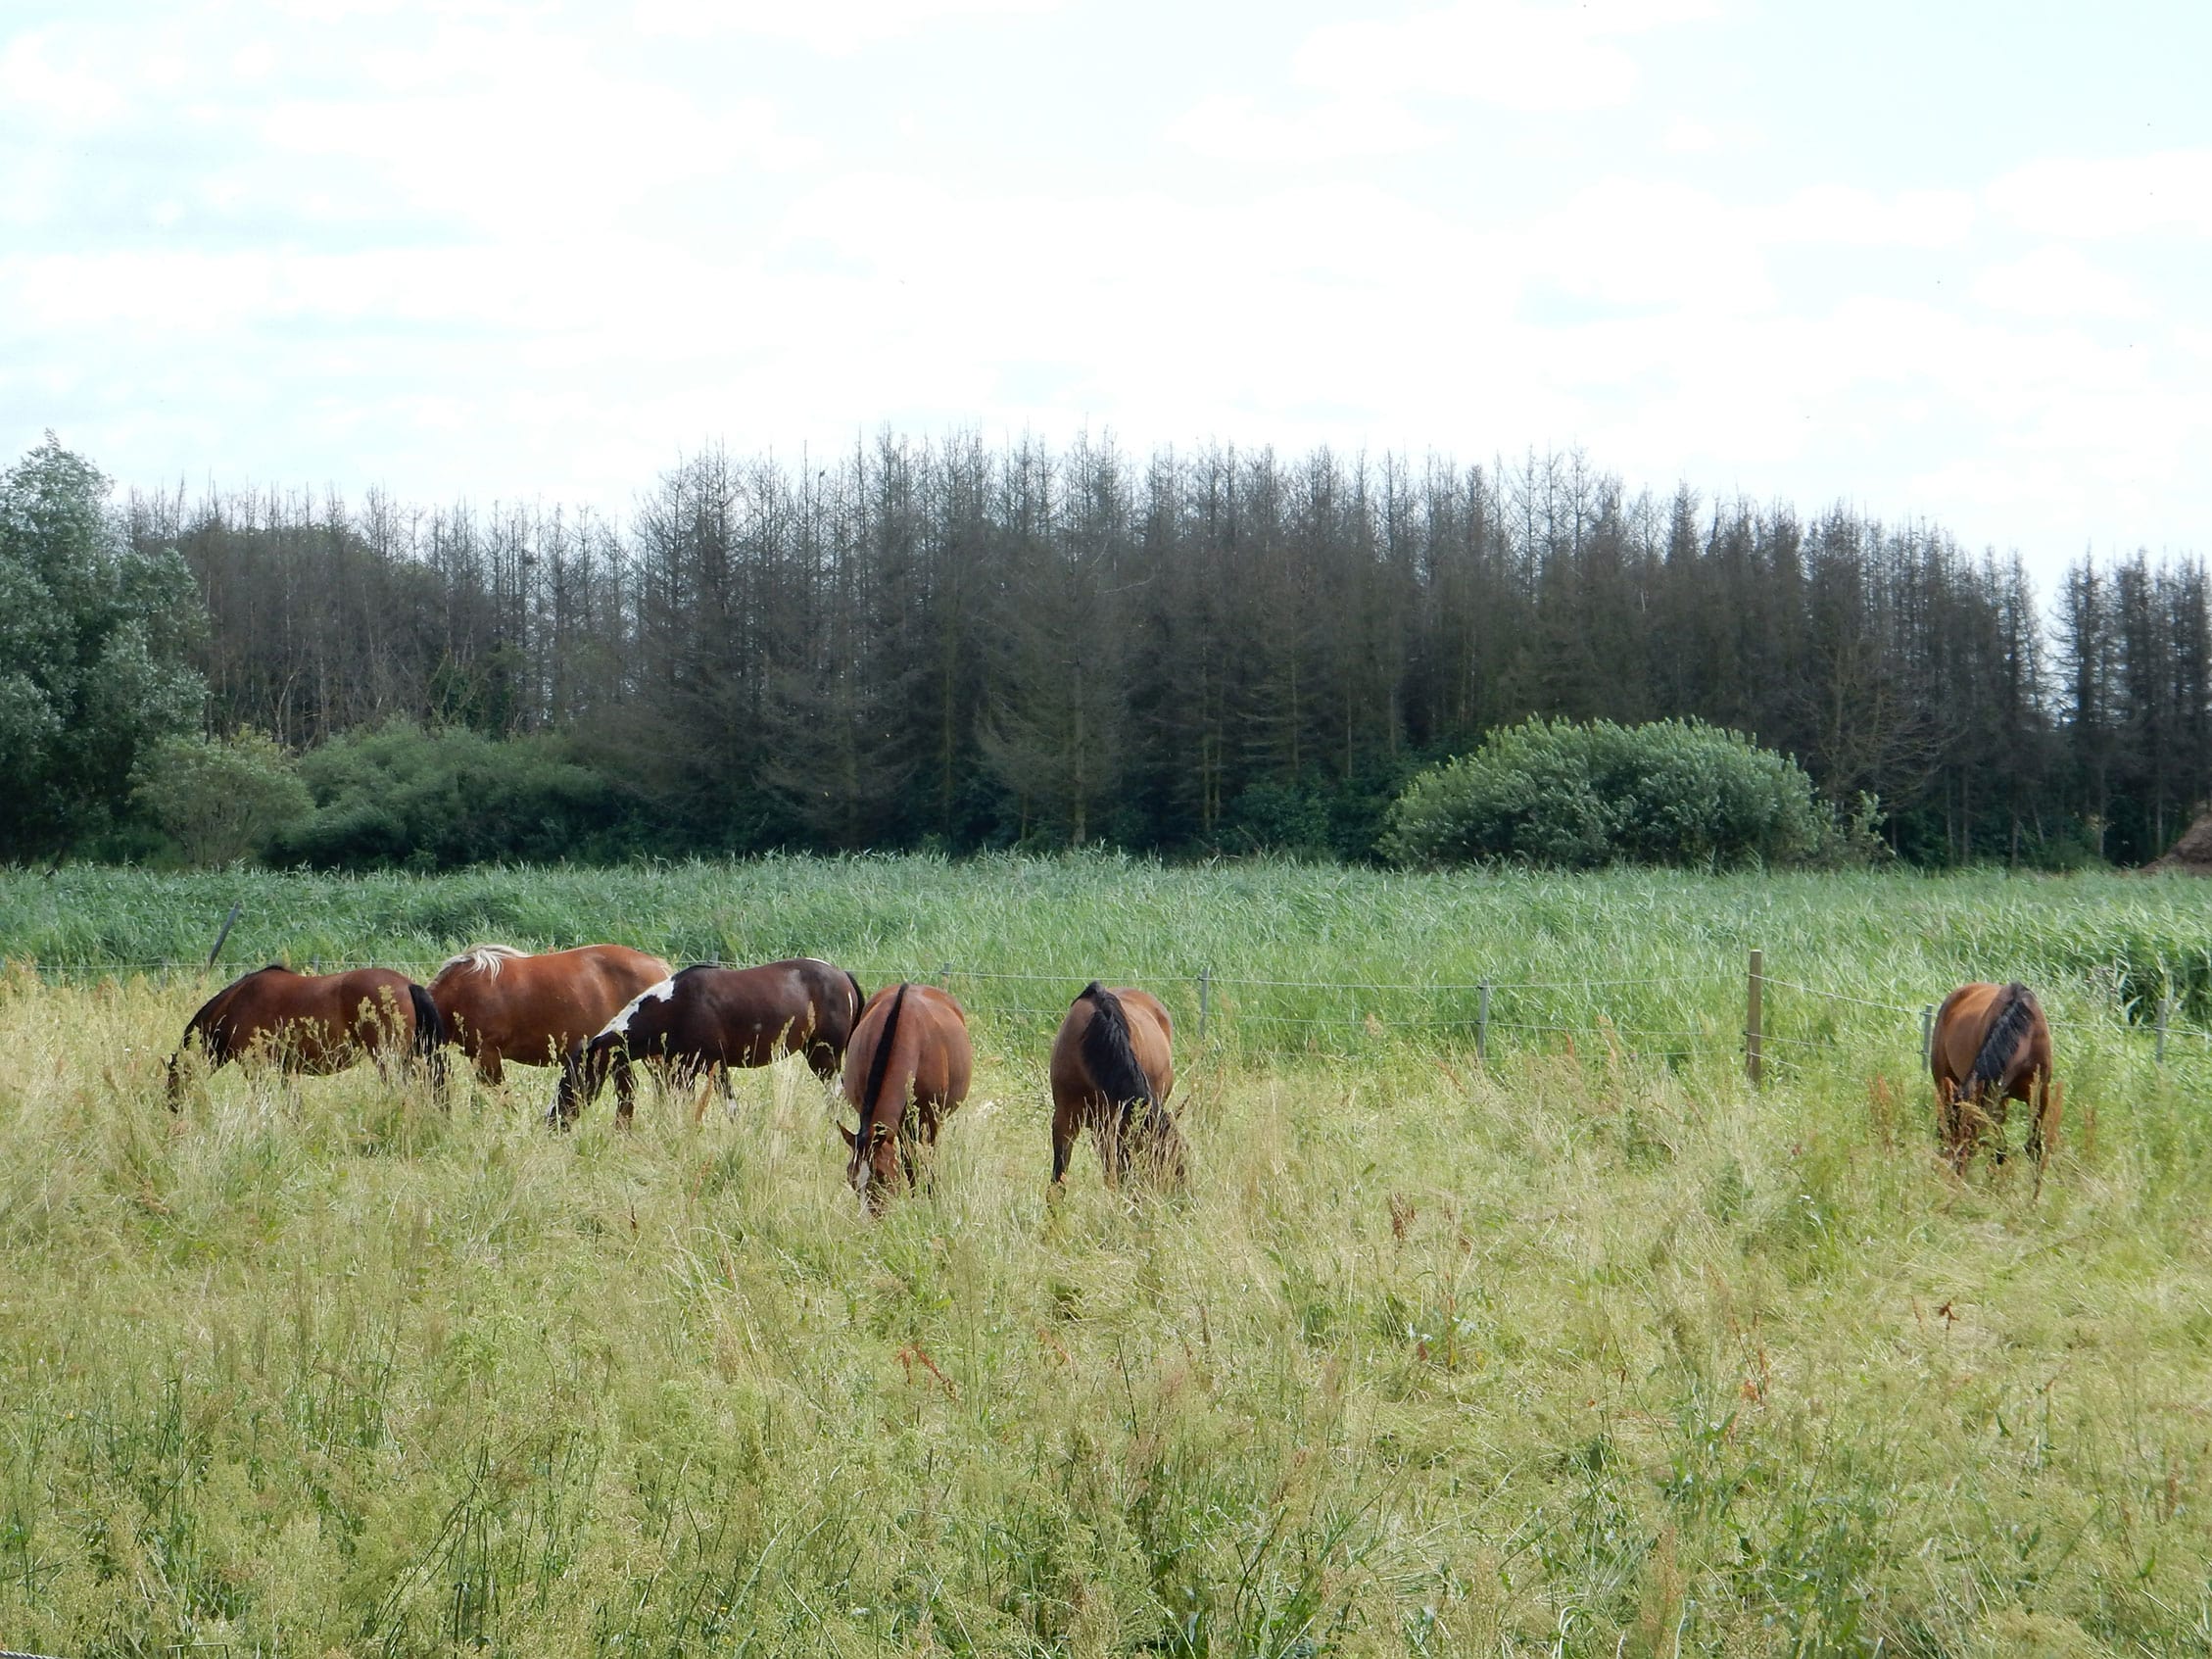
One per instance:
(1109,1056)
(429,1033)
(859,1001)
(2016,1012)
(880,1062)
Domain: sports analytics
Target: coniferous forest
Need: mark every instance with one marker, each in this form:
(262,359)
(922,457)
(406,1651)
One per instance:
(957,645)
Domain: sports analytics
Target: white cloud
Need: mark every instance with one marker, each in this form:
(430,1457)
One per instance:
(1234,129)
(2114,196)
(828,25)
(1844,215)
(39,85)
(1514,53)
(2058,281)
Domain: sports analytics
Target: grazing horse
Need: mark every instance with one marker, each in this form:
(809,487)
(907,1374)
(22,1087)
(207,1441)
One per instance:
(1991,1045)
(500,1004)
(314,1022)
(1111,1072)
(706,1019)
(910,1048)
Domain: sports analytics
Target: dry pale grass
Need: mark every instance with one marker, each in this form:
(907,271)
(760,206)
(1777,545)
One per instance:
(1564,1357)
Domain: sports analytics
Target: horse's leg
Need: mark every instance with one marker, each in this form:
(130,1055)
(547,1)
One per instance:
(625,1091)
(488,1066)
(1067,1124)
(1949,1120)
(1112,1136)
(2043,1135)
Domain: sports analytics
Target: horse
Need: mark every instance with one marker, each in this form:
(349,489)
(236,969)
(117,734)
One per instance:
(910,1048)
(1991,1045)
(1112,1069)
(704,1019)
(500,1004)
(314,1023)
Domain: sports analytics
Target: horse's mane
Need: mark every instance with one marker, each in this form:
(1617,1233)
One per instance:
(1110,1056)
(486,960)
(880,1062)
(2015,1014)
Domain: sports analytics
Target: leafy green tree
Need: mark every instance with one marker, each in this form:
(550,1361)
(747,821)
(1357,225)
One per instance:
(221,800)
(93,643)
(1556,791)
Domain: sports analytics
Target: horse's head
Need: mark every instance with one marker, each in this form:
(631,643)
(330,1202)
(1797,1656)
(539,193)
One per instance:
(873,1164)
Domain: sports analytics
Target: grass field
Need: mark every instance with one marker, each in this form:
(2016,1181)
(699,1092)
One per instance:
(1589,1349)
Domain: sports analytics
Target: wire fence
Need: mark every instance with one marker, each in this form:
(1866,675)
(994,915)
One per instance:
(1783,1021)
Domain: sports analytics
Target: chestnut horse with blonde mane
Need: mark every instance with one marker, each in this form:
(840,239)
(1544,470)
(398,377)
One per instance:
(314,1022)
(908,1065)
(1991,1045)
(500,1004)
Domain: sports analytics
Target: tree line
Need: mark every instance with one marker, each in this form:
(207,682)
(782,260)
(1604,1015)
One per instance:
(958,644)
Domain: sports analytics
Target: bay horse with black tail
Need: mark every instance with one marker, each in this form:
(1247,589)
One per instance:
(909,1065)
(314,1022)
(1112,1069)
(500,1004)
(1991,1045)
(695,1025)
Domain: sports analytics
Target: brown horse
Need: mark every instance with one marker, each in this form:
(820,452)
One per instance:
(706,1019)
(910,1048)
(500,1004)
(1991,1045)
(317,1023)
(1112,1069)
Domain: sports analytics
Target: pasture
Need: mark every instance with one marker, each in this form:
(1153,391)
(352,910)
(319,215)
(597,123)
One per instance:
(1587,1348)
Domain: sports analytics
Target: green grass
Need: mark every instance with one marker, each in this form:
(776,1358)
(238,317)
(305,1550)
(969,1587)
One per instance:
(1577,1352)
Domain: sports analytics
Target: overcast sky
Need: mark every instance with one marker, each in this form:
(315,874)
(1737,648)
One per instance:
(1938,260)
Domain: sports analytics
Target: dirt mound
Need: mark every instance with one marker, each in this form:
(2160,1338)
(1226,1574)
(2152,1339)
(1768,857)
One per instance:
(2191,855)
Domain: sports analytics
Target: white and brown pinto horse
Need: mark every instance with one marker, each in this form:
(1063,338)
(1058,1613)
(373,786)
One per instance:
(1112,1070)
(909,1065)
(695,1025)
(1991,1045)
(500,1004)
(312,1022)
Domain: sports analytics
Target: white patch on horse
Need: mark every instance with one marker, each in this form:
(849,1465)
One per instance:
(486,960)
(619,1025)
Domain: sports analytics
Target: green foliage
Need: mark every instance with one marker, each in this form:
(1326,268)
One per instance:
(1580,797)
(221,798)
(402,797)
(93,637)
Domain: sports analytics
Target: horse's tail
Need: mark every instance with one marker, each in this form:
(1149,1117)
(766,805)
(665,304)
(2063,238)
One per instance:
(429,1031)
(1110,1056)
(859,1001)
(2016,1012)
(878,1062)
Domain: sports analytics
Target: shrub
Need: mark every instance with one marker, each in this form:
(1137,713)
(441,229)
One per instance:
(221,799)
(1554,792)
(440,799)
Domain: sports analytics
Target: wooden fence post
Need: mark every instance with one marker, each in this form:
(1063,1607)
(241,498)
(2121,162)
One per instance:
(1753,1031)
(2164,1003)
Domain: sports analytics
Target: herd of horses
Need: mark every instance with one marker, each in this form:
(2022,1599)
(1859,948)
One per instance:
(901,1057)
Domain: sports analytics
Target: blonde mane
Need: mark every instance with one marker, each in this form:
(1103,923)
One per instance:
(486,960)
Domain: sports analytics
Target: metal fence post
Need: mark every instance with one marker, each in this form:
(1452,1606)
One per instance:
(1927,1035)
(1751,1026)
(2164,1005)
(1482,1023)
(944,975)
(1205,985)
(228,922)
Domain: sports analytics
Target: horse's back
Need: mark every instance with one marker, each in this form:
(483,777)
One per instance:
(1151,1039)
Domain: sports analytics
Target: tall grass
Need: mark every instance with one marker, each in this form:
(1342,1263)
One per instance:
(1575,1352)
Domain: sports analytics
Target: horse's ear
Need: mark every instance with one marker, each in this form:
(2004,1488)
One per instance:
(852,1139)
